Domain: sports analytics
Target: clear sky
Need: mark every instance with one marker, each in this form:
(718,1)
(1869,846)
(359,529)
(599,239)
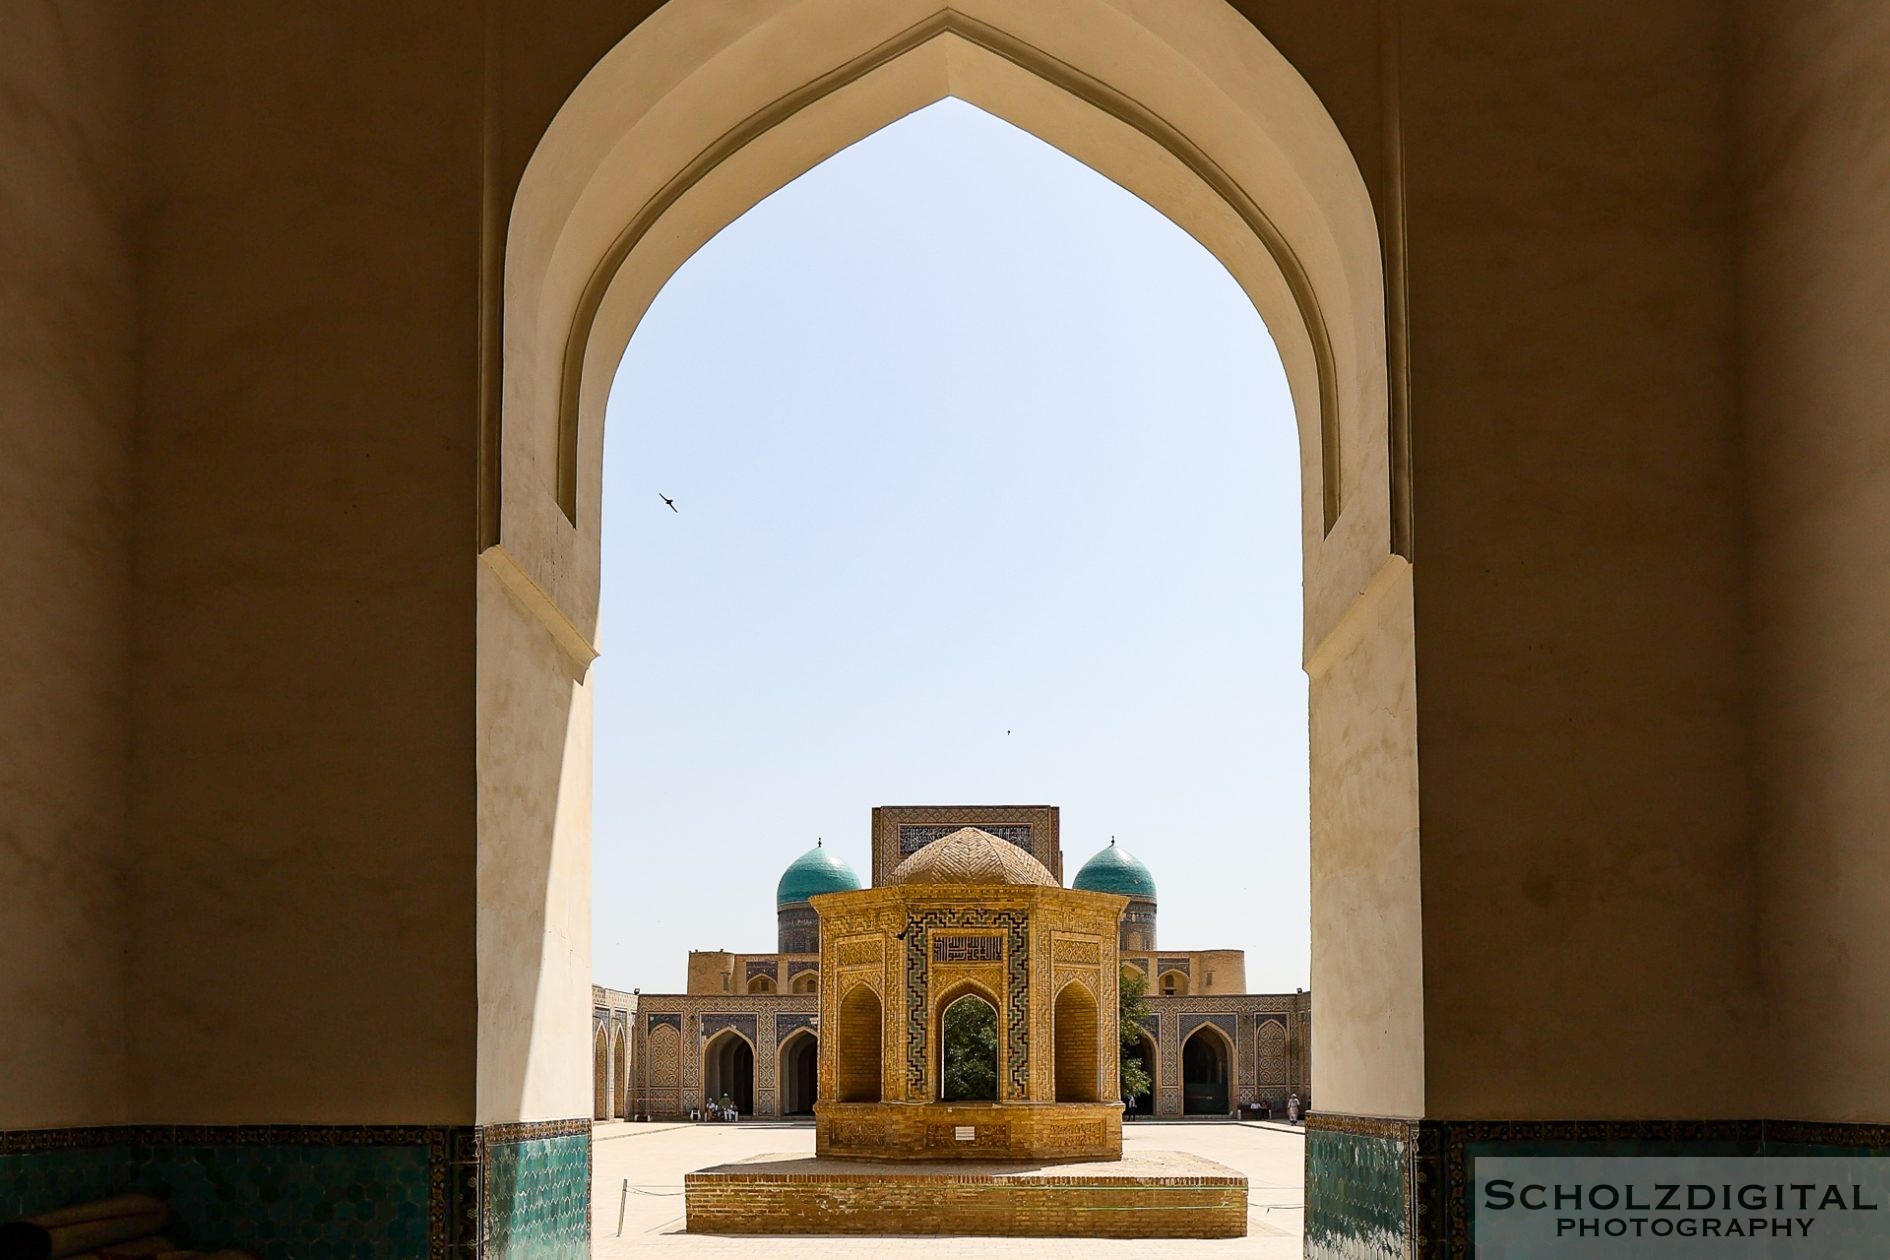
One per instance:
(987,492)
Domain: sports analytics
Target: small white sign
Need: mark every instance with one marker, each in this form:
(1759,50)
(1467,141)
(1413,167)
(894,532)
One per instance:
(966,1133)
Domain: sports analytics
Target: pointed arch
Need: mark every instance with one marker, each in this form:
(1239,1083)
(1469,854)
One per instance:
(702,110)
(859,1046)
(797,1073)
(728,1070)
(600,1074)
(965,1035)
(1076,1038)
(1207,1071)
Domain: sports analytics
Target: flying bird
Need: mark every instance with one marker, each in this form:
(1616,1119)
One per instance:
(671,503)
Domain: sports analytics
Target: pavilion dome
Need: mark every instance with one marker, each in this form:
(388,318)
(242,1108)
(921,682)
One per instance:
(1116,870)
(971,856)
(812,873)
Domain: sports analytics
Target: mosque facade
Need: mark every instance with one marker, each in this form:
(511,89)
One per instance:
(748,1026)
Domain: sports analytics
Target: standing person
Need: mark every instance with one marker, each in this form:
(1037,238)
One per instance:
(1292,1108)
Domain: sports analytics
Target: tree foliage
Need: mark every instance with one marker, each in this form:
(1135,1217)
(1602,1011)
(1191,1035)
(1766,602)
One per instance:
(971,1039)
(1133,991)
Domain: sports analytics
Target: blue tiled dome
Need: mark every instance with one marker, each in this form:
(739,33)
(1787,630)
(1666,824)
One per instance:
(812,873)
(1116,870)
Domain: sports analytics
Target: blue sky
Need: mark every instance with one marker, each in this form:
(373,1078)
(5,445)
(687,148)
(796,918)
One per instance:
(988,493)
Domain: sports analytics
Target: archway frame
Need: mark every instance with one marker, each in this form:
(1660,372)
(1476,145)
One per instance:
(1102,1070)
(1230,1059)
(710,1047)
(698,113)
(949,997)
(783,1052)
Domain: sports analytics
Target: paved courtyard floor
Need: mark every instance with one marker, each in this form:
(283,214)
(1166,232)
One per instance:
(652,1158)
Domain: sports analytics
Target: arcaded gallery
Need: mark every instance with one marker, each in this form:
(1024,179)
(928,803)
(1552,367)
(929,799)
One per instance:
(309,311)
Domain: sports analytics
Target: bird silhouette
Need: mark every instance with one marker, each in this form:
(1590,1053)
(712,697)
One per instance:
(669,501)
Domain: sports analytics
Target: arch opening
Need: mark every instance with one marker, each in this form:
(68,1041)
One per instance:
(761,984)
(1075,1034)
(600,1076)
(1206,1063)
(1145,1054)
(968,1048)
(799,1073)
(728,1072)
(694,117)
(1172,984)
(859,1047)
(806,982)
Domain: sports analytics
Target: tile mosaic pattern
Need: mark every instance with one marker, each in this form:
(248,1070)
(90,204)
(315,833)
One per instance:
(280,1191)
(1356,1196)
(38,1180)
(307,1192)
(351,1202)
(912,839)
(537,1199)
(1016,928)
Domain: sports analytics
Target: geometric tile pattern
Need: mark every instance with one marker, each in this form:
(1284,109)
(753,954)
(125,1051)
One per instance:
(537,1198)
(338,1192)
(912,839)
(347,1202)
(1270,1053)
(1017,1003)
(1356,1206)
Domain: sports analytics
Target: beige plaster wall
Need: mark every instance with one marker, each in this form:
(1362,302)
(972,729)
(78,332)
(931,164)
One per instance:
(1588,890)
(1814,289)
(67,78)
(534,853)
(1368,919)
(303,784)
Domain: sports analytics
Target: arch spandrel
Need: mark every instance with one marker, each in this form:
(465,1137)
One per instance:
(698,116)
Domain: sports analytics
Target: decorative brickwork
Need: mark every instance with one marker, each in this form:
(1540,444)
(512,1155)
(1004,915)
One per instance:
(1188,1199)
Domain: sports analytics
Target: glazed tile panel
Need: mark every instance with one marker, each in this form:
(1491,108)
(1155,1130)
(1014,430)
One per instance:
(294,1202)
(538,1199)
(1355,1196)
(39,1181)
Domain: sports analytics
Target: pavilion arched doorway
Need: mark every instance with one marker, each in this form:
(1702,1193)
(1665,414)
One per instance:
(857,1074)
(968,1055)
(1074,1025)
(728,1072)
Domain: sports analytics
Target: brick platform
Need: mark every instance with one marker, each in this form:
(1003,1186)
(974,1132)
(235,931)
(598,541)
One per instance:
(1160,1194)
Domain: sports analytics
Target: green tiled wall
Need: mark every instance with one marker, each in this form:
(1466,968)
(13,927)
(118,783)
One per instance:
(538,1199)
(39,1181)
(295,1202)
(1355,1196)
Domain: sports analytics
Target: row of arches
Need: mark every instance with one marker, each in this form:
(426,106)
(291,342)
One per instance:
(610,1066)
(967,1058)
(1207,1062)
(805,982)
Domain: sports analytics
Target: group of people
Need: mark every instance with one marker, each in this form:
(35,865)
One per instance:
(1265,1108)
(722,1108)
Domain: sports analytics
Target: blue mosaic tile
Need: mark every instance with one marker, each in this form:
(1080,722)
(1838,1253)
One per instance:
(302,1202)
(1355,1196)
(40,1181)
(538,1199)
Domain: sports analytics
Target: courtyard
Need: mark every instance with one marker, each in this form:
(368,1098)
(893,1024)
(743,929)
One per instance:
(652,1158)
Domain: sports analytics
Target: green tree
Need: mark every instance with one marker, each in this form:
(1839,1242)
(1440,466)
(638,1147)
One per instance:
(970,1051)
(1133,991)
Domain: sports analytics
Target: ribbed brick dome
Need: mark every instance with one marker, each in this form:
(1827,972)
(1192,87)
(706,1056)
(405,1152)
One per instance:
(971,856)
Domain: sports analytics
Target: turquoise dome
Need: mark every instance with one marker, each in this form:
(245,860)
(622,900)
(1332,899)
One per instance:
(812,873)
(1115,870)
